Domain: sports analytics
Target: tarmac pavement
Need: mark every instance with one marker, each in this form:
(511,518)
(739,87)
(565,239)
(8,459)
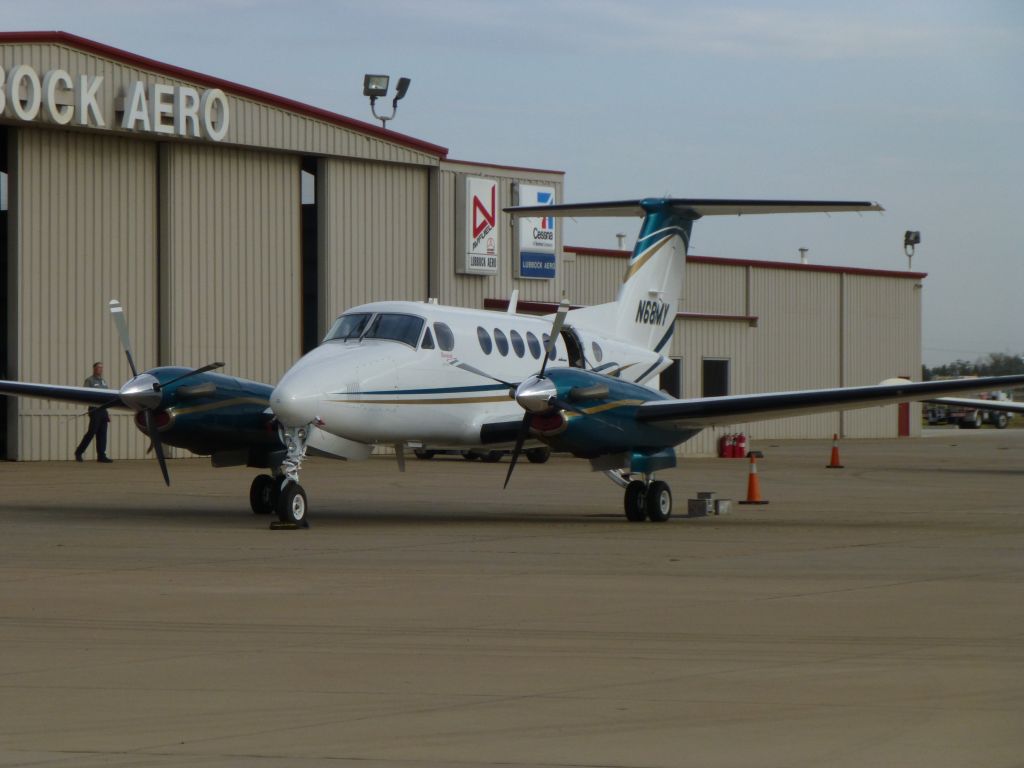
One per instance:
(866,616)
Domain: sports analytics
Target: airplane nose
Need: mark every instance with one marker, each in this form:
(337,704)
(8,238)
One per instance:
(293,405)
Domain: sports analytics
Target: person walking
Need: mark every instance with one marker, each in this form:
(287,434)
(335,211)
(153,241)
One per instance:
(98,420)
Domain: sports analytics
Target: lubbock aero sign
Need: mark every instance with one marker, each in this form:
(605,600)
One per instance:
(60,99)
(478,224)
(536,247)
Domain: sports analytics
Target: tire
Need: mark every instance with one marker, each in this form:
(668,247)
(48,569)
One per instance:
(658,503)
(491,457)
(423,453)
(263,495)
(471,455)
(538,455)
(1001,420)
(292,505)
(634,501)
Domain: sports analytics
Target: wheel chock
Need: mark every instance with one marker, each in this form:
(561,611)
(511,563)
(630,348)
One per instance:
(278,525)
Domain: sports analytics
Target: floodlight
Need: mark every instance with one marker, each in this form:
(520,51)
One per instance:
(403,86)
(376,85)
(911,238)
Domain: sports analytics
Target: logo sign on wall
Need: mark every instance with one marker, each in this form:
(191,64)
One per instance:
(536,242)
(477,221)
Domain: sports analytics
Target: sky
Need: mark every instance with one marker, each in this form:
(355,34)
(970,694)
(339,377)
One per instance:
(917,105)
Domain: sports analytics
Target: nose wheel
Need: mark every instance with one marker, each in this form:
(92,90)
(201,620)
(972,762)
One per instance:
(263,495)
(291,504)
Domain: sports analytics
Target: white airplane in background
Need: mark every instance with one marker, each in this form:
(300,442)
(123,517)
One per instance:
(401,372)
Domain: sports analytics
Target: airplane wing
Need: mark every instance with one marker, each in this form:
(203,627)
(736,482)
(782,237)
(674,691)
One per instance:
(988,405)
(733,409)
(85,395)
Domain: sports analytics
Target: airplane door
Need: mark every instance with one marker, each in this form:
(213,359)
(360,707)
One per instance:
(574,348)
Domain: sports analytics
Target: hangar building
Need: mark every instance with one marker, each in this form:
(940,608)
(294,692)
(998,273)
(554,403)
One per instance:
(182,195)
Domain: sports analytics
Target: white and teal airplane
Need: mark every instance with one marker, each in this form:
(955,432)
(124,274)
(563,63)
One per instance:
(400,372)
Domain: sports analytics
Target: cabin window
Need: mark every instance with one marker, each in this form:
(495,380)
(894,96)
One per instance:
(517,343)
(485,340)
(396,327)
(533,344)
(428,340)
(348,327)
(445,337)
(598,352)
(500,342)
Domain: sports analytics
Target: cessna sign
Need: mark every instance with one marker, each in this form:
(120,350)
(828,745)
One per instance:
(535,257)
(62,99)
(477,212)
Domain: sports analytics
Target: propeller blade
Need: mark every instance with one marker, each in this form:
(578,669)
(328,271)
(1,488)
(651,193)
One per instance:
(117,312)
(478,372)
(154,438)
(204,369)
(556,330)
(524,430)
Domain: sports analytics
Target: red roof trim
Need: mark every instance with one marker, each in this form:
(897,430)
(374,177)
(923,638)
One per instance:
(617,254)
(504,167)
(66,38)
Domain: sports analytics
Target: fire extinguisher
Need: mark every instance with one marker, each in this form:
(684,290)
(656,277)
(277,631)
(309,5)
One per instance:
(741,446)
(724,446)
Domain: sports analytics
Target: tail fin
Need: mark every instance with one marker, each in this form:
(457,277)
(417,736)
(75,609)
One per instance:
(647,302)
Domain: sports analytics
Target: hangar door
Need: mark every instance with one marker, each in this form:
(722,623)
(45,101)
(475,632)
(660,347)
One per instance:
(83,215)
(374,233)
(230,285)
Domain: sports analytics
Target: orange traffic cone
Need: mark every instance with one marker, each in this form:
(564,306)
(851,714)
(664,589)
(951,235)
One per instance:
(834,461)
(753,483)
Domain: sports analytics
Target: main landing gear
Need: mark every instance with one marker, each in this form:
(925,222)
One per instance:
(646,499)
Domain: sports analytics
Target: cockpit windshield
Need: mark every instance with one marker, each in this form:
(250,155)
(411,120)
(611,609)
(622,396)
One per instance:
(384,325)
(403,328)
(348,327)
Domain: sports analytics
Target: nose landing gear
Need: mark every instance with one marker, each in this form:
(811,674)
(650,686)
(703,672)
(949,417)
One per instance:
(648,499)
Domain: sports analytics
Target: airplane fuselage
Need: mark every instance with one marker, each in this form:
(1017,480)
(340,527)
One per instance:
(389,377)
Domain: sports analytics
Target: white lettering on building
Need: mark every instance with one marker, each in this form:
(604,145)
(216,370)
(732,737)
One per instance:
(62,99)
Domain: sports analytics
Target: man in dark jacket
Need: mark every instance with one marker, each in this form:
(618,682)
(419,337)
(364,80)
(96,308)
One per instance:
(98,420)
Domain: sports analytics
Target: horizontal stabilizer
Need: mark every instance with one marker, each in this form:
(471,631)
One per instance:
(1008,406)
(693,208)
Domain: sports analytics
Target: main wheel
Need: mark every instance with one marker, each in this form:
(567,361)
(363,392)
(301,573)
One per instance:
(491,457)
(291,504)
(1002,420)
(634,502)
(470,455)
(423,453)
(658,503)
(263,495)
(538,455)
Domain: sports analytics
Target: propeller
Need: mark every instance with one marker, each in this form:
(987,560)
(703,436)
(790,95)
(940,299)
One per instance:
(142,392)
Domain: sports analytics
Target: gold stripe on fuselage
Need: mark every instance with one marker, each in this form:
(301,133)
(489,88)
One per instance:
(221,404)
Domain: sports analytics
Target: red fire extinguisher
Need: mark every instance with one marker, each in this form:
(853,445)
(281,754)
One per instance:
(740,446)
(724,446)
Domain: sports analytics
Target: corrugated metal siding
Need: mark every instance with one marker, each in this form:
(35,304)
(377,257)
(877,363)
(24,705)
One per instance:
(714,289)
(231,267)
(252,123)
(374,232)
(883,340)
(86,225)
(471,290)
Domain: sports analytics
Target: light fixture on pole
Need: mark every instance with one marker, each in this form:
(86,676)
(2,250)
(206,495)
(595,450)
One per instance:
(910,239)
(376,86)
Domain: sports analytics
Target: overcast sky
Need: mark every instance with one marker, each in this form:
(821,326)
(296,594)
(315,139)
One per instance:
(916,105)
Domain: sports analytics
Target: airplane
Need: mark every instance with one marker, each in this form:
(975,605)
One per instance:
(401,372)
(209,414)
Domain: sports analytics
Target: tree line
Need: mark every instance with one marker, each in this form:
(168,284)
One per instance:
(994,364)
